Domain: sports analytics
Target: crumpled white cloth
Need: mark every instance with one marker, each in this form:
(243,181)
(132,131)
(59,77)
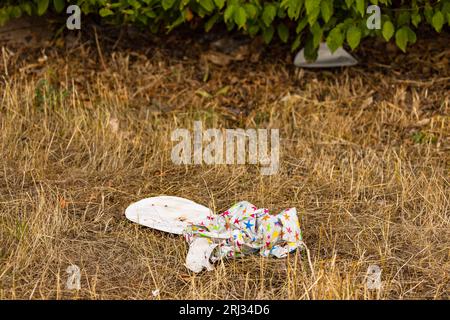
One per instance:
(242,229)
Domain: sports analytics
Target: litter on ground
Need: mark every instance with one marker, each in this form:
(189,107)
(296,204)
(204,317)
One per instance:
(167,213)
(326,59)
(243,229)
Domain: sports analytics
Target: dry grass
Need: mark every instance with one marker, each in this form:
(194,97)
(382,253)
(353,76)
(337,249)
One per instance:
(364,158)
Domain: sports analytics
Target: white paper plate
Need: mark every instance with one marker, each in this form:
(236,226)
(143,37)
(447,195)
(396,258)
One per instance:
(167,213)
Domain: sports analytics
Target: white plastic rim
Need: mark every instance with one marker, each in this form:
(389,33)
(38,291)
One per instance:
(326,59)
(167,213)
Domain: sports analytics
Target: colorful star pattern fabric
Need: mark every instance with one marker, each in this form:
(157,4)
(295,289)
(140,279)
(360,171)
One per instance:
(244,229)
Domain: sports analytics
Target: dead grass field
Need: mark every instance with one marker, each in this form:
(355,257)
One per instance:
(85,131)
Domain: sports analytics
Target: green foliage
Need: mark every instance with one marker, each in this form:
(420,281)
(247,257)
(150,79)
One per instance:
(42,6)
(354,36)
(422,137)
(299,22)
(388,30)
(403,36)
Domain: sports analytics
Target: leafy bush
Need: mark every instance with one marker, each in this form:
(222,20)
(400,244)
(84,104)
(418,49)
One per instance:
(299,22)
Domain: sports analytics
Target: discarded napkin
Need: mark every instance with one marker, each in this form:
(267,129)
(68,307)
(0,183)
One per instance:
(242,229)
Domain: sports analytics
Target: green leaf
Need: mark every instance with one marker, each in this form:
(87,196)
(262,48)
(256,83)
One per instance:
(3,17)
(219,3)
(252,10)
(59,5)
(335,39)
(326,8)
(302,24)
(208,5)
(349,3)
(281,13)
(311,51)
(438,21)
(268,14)
(167,4)
(296,43)
(149,13)
(403,18)
(15,12)
(412,38)
(312,10)
(446,10)
(402,37)
(416,19)
(317,33)
(283,32)
(311,5)
(27,8)
(268,34)
(293,8)
(446,7)
(428,12)
(42,6)
(135,3)
(104,12)
(313,16)
(228,12)
(388,30)
(353,37)
(253,30)
(176,23)
(361,7)
(240,16)
(210,23)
